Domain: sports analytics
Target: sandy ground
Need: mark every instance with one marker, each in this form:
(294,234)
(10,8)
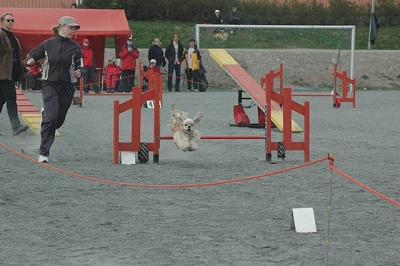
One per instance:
(51,218)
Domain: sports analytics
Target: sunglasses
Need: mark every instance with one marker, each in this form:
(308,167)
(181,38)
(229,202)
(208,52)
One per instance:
(9,20)
(71,27)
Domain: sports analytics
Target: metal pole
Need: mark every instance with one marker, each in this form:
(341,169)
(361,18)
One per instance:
(353,47)
(198,36)
(370,23)
(327,240)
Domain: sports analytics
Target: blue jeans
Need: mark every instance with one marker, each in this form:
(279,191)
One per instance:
(171,68)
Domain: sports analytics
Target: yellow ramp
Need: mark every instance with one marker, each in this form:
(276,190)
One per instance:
(222,57)
(33,121)
(251,86)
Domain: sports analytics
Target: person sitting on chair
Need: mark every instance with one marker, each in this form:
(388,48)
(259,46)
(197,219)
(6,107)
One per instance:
(112,74)
(35,72)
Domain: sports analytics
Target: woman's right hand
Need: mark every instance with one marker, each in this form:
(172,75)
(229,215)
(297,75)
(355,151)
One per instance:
(30,62)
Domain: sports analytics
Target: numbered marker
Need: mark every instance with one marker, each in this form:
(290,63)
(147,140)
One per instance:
(150,104)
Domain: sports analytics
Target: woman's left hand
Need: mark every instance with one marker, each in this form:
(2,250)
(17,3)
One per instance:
(78,73)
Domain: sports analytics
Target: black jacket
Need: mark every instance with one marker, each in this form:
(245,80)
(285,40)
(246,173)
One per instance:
(156,52)
(64,56)
(170,52)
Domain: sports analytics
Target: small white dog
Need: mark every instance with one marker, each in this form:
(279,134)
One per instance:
(185,136)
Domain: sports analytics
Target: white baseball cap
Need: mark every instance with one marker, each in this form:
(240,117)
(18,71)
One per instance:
(217,11)
(153,61)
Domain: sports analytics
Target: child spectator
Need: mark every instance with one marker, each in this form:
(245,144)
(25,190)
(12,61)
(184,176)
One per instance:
(112,74)
(152,69)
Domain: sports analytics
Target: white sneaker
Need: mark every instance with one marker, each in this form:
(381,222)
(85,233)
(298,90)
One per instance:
(43,159)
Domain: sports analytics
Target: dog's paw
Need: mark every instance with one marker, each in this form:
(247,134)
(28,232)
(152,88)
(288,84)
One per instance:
(193,146)
(186,148)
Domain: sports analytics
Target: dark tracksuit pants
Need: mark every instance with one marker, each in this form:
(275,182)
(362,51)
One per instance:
(192,77)
(90,72)
(127,80)
(57,98)
(8,95)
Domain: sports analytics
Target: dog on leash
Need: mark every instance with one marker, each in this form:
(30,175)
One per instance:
(185,135)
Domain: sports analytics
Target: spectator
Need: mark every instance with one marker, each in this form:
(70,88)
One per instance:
(89,68)
(173,53)
(156,52)
(153,66)
(11,70)
(234,18)
(128,54)
(62,69)
(192,65)
(112,74)
(218,20)
(152,69)
(35,72)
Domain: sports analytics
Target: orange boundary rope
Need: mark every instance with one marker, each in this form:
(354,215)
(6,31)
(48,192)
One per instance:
(373,191)
(127,184)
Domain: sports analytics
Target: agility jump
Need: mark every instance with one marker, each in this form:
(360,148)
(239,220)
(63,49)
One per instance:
(345,94)
(154,94)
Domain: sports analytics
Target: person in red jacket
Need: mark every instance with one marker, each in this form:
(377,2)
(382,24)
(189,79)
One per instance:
(128,54)
(34,73)
(112,73)
(89,68)
(153,66)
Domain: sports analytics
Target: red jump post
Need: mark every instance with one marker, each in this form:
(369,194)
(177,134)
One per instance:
(284,98)
(344,97)
(154,93)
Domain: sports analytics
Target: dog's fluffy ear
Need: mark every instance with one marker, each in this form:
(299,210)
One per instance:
(177,114)
(174,110)
(198,117)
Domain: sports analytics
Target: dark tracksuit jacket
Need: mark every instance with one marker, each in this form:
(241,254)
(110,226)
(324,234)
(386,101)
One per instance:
(63,57)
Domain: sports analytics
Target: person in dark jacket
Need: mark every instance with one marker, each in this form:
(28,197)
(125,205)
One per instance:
(156,52)
(218,20)
(11,70)
(61,71)
(234,18)
(174,55)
